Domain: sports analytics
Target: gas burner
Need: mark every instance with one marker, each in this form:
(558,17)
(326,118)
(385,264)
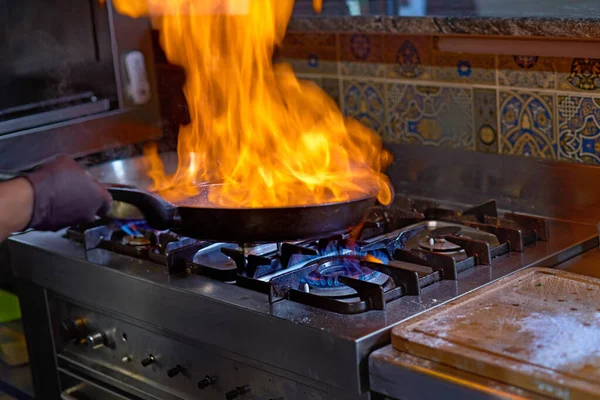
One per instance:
(395,254)
(325,280)
(436,239)
(137,240)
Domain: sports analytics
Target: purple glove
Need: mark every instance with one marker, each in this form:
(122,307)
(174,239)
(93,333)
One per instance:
(64,195)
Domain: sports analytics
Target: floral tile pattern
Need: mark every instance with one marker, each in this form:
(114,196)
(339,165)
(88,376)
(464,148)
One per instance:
(579,74)
(527,72)
(437,116)
(465,68)
(362,55)
(310,53)
(526,124)
(407,57)
(579,129)
(495,104)
(485,120)
(365,101)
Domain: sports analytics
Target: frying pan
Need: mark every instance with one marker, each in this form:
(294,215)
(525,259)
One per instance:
(200,219)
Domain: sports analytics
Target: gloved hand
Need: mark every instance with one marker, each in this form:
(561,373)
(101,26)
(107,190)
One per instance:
(64,195)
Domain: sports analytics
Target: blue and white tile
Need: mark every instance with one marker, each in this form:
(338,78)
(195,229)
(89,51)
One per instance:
(486,120)
(365,101)
(527,124)
(579,129)
(430,115)
(465,68)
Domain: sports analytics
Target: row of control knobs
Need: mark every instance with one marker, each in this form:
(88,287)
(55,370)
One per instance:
(76,330)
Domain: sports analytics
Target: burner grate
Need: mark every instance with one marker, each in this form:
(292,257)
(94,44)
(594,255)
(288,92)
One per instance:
(397,251)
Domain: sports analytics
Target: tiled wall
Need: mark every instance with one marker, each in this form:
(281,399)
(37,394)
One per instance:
(409,92)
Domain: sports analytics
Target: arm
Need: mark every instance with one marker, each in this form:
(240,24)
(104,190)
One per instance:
(16,206)
(57,195)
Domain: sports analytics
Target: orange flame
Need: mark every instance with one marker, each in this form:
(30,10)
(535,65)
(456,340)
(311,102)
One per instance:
(317,6)
(267,138)
(373,259)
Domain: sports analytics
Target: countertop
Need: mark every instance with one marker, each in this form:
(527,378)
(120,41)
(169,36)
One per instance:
(547,18)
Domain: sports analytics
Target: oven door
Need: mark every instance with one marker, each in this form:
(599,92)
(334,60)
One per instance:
(77,78)
(78,387)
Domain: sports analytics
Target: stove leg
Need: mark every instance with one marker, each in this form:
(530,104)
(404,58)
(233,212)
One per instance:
(38,333)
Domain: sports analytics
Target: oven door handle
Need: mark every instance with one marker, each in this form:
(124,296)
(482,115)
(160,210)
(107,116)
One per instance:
(68,394)
(81,391)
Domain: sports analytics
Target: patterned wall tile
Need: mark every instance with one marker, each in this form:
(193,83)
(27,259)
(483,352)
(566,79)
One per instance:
(579,74)
(464,68)
(527,71)
(579,129)
(332,88)
(407,57)
(310,53)
(362,55)
(485,120)
(365,101)
(438,116)
(526,124)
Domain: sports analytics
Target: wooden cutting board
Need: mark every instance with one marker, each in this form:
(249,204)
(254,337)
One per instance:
(538,329)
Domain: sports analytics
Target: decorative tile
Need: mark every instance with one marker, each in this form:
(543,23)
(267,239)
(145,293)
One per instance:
(310,53)
(438,116)
(362,55)
(332,88)
(579,129)
(526,124)
(407,57)
(579,74)
(526,71)
(365,101)
(464,68)
(485,120)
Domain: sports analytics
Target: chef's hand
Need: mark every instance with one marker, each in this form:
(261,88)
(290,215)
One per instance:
(64,194)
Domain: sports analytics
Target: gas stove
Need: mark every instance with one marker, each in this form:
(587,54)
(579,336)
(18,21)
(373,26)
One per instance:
(140,313)
(396,252)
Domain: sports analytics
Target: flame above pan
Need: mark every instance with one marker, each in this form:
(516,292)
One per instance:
(267,138)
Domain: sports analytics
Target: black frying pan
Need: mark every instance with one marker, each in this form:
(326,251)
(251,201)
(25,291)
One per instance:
(201,220)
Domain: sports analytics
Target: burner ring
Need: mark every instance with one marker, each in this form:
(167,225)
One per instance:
(130,240)
(436,241)
(326,275)
(323,281)
(446,231)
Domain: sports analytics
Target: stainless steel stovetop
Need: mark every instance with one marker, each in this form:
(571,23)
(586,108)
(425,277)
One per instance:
(174,327)
(320,349)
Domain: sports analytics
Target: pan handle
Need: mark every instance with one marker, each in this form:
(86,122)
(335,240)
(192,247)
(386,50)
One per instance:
(159,213)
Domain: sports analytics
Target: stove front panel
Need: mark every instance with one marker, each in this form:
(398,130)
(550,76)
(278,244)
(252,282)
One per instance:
(133,359)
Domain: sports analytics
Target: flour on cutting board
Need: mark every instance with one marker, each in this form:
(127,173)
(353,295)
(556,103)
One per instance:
(537,329)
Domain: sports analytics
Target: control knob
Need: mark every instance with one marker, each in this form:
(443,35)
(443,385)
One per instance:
(96,340)
(148,360)
(176,370)
(237,392)
(73,330)
(207,381)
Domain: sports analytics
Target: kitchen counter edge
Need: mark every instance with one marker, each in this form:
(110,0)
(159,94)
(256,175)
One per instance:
(557,27)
